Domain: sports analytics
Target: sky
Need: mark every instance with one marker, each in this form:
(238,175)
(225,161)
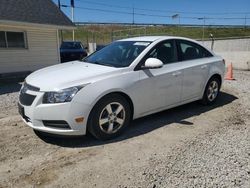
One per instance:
(210,12)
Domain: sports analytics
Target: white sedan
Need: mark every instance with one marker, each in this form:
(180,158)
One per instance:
(126,80)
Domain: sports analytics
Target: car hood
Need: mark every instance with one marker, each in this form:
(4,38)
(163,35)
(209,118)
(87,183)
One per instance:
(69,74)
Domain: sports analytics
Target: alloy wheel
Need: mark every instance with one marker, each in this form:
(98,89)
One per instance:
(112,118)
(212,91)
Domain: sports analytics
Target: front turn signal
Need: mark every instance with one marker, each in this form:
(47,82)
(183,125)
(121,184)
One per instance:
(79,120)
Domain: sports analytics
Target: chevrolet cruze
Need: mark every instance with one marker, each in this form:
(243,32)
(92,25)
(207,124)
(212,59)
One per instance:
(125,80)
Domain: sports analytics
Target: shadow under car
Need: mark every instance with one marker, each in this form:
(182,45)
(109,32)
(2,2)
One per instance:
(144,125)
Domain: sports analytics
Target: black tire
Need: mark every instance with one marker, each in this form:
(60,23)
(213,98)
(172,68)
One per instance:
(100,110)
(206,99)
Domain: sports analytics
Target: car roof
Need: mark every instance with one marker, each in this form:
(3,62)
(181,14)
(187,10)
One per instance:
(153,38)
(161,38)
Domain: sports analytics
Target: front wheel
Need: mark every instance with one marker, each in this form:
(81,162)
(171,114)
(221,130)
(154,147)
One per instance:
(109,117)
(212,91)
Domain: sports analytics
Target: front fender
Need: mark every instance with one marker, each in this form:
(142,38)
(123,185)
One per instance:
(93,92)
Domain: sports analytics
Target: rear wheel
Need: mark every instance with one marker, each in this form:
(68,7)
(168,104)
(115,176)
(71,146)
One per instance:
(212,91)
(109,117)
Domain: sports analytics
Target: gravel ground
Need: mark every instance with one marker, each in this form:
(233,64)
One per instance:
(8,99)
(188,146)
(218,158)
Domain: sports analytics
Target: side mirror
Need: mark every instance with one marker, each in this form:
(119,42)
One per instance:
(152,63)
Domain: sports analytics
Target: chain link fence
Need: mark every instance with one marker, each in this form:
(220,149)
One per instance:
(105,34)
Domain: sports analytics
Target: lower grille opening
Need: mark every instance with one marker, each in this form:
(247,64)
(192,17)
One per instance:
(56,124)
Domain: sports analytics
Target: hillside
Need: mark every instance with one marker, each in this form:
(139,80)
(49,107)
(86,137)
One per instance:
(103,34)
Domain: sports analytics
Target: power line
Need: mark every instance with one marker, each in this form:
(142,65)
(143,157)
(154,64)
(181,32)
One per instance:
(104,4)
(161,10)
(157,15)
(118,12)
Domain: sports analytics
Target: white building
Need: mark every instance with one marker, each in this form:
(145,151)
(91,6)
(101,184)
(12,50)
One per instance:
(29,37)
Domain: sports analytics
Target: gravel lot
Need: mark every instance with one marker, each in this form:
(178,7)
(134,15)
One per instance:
(188,146)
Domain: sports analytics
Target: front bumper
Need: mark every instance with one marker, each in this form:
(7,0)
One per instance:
(37,113)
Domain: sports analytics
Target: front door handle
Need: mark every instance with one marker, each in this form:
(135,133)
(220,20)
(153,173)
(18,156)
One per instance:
(176,73)
(203,66)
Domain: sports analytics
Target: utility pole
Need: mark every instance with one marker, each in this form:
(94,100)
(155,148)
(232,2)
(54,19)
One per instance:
(203,33)
(112,33)
(72,2)
(61,33)
(245,21)
(133,15)
(203,28)
(177,16)
(179,20)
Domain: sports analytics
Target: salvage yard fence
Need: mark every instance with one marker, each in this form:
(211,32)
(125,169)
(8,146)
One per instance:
(104,34)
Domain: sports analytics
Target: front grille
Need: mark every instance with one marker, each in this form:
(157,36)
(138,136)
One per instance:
(26,99)
(56,124)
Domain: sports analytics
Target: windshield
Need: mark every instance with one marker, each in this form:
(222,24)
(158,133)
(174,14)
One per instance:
(71,45)
(118,54)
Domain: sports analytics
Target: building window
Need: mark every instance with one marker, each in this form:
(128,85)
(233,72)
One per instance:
(12,39)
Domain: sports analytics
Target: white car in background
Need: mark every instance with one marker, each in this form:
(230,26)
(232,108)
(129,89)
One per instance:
(125,80)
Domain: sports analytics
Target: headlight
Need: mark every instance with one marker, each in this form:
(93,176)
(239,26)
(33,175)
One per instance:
(64,95)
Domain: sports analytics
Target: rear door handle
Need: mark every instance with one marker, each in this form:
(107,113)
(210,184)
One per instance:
(203,66)
(176,73)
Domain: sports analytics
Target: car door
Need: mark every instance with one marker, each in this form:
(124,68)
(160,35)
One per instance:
(195,64)
(161,87)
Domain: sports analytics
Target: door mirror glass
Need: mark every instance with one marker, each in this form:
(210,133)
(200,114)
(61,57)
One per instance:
(152,63)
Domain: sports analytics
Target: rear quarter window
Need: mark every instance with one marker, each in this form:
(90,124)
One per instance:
(189,50)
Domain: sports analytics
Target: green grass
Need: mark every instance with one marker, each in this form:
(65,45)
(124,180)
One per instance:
(102,34)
